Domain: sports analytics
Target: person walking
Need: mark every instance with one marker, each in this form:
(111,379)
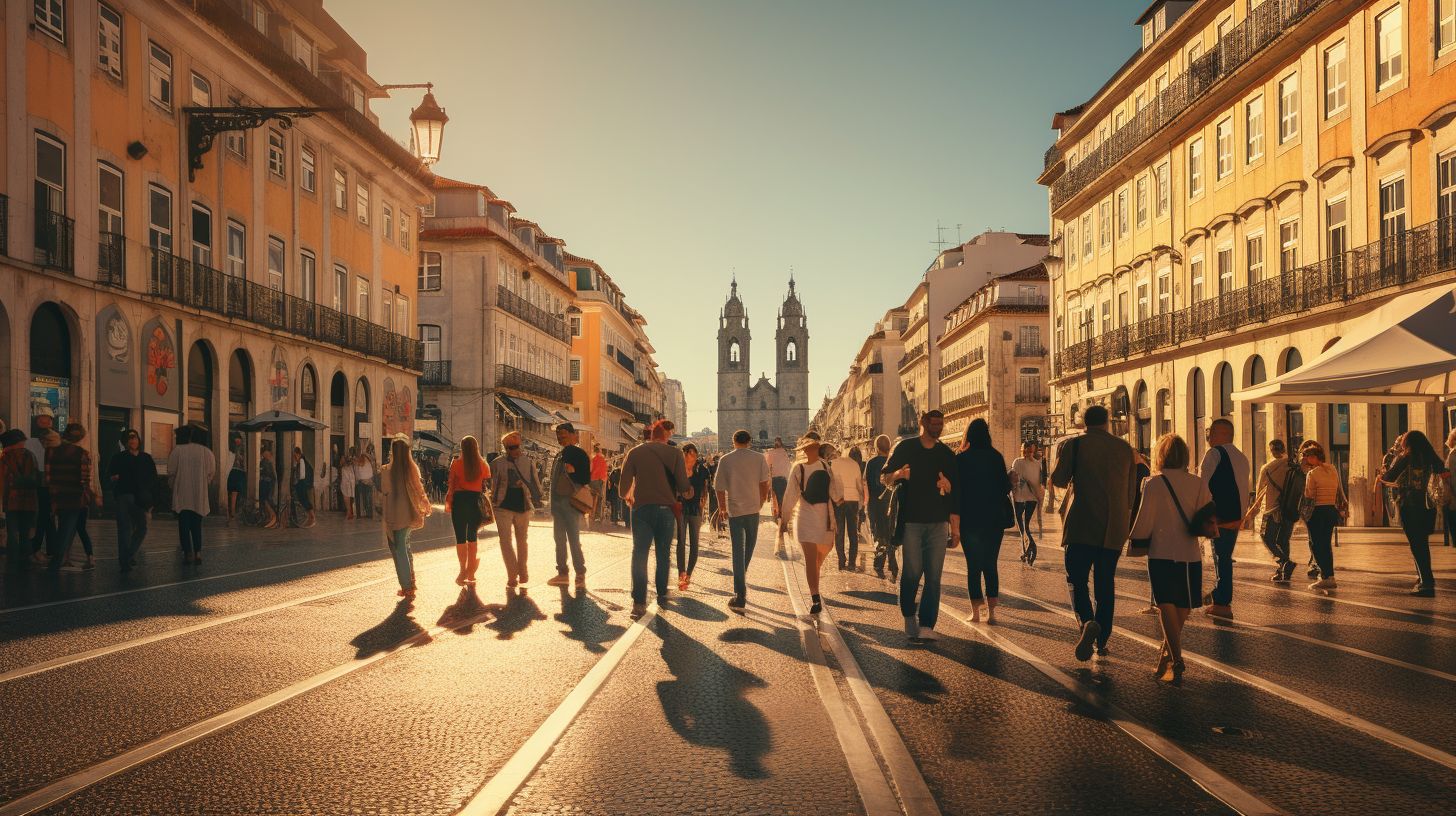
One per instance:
(569,473)
(808,511)
(1277,493)
(1409,476)
(1026,493)
(742,483)
(1098,468)
(347,483)
(234,463)
(850,496)
(1322,488)
(986,512)
(462,501)
(405,509)
(877,508)
(928,521)
(1450,509)
(653,475)
(20,483)
(1175,559)
(689,529)
(364,471)
(302,472)
(68,477)
(614,501)
(268,487)
(1226,471)
(779,463)
(514,491)
(133,477)
(598,483)
(191,467)
(45,519)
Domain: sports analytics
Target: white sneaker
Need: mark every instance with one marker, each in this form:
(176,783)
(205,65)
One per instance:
(912,628)
(1324,583)
(929,634)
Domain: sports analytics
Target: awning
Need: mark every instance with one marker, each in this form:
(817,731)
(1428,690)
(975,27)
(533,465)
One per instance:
(509,406)
(427,444)
(632,430)
(1404,351)
(531,410)
(435,437)
(1097,394)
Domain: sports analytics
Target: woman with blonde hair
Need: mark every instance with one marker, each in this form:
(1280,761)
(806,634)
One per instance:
(810,492)
(1322,487)
(515,489)
(405,510)
(462,501)
(1170,498)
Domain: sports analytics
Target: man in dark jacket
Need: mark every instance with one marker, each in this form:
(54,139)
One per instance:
(570,472)
(133,478)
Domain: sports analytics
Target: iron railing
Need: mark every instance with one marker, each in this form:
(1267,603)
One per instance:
(618,401)
(625,361)
(1397,261)
(435,373)
(533,384)
(1264,24)
(552,324)
(111,259)
(201,287)
(912,354)
(970,358)
(1029,350)
(962,403)
(1030,397)
(55,240)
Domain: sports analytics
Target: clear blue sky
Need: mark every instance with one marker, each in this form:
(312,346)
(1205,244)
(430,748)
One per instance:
(676,141)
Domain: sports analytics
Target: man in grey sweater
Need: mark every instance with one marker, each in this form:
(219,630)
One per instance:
(654,475)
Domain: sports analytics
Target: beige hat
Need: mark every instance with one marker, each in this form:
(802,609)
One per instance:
(807,442)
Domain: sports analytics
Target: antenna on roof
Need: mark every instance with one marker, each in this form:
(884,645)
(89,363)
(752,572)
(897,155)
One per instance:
(959,242)
(940,241)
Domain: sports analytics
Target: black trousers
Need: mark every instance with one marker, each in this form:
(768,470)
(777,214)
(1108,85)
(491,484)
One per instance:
(846,523)
(983,549)
(1418,522)
(1101,563)
(189,531)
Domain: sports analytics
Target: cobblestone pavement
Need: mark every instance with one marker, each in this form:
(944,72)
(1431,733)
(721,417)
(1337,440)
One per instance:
(282,677)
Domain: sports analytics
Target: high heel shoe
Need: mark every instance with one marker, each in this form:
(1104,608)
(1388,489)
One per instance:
(1177,671)
(1165,658)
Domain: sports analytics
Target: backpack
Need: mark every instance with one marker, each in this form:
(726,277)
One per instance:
(1291,492)
(1438,491)
(814,489)
(1225,489)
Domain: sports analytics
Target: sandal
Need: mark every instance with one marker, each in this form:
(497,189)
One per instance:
(1165,659)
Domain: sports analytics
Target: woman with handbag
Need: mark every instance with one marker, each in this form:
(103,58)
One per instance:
(405,510)
(1322,510)
(1410,475)
(462,502)
(692,516)
(808,492)
(986,513)
(514,490)
(1173,500)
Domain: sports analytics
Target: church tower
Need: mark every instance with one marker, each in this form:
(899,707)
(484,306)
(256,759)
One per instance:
(791,368)
(733,339)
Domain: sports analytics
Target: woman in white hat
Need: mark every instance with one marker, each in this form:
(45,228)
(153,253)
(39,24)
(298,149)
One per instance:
(808,492)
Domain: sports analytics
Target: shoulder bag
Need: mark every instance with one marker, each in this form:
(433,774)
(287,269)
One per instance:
(1066,505)
(1204,523)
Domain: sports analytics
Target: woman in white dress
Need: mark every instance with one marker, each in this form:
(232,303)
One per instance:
(807,502)
(346,481)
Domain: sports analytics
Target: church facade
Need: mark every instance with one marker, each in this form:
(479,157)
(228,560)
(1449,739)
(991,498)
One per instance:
(766,409)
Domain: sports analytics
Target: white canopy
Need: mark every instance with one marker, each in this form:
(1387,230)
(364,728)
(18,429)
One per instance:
(1404,351)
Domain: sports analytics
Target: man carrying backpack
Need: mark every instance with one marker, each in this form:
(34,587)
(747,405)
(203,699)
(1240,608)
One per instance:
(1225,470)
(1276,507)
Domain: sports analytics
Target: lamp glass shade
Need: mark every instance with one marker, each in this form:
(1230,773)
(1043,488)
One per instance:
(427,123)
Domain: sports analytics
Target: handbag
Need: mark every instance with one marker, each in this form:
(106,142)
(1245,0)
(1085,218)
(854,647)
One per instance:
(583,499)
(1138,547)
(1204,523)
(487,510)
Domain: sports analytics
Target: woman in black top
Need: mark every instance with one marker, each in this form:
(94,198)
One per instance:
(1409,475)
(985,510)
(692,512)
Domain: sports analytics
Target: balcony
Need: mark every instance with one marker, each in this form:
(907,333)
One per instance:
(533,384)
(1030,398)
(624,361)
(1401,260)
(962,403)
(55,240)
(1265,24)
(552,324)
(111,260)
(202,287)
(620,402)
(435,374)
(912,354)
(875,368)
(970,358)
(1029,350)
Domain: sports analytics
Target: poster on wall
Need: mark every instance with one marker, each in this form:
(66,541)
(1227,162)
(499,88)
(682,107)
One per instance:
(398,410)
(50,396)
(115,359)
(158,436)
(278,381)
(159,356)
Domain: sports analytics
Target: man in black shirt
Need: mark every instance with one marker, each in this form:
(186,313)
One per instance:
(571,472)
(878,508)
(926,524)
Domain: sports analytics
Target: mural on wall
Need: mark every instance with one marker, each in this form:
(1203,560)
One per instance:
(278,381)
(160,356)
(50,396)
(398,410)
(115,381)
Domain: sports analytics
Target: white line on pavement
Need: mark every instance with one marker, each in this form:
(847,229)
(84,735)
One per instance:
(1220,786)
(1287,591)
(1310,704)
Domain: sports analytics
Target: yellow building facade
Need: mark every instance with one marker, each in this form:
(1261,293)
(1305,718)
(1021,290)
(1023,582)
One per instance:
(615,381)
(1259,174)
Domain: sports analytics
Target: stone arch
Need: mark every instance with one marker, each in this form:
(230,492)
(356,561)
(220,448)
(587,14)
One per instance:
(202,382)
(1290,360)
(241,389)
(1223,390)
(1197,411)
(54,342)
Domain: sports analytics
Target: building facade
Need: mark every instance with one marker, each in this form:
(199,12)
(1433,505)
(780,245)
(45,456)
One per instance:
(140,289)
(870,402)
(614,376)
(765,409)
(1256,176)
(675,404)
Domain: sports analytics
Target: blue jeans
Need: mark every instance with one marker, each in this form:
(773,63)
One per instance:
(652,527)
(566,527)
(924,546)
(1223,565)
(404,560)
(743,530)
(60,543)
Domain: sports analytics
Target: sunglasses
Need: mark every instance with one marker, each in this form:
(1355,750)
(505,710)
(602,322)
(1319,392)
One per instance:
(513,447)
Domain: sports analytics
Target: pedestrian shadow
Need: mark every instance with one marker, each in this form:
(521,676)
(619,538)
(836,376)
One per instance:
(398,626)
(696,609)
(892,673)
(468,610)
(706,703)
(587,621)
(519,612)
(876,595)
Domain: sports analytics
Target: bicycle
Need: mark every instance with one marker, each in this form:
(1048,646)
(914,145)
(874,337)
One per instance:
(251,514)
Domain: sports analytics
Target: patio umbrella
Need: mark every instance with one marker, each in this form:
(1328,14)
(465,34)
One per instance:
(278,422)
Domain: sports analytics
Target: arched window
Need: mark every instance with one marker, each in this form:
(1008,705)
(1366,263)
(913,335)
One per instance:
(763,405)
(1257,374)
(1198,394)
(1144,418)
(1225,376)
(735,352)
(791,351)
(762,434)
(1165,412)
(1292,360)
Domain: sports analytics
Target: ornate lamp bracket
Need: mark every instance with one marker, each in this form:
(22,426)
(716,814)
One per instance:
(203,125)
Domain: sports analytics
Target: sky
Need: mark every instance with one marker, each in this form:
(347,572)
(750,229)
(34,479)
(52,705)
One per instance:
(680,142)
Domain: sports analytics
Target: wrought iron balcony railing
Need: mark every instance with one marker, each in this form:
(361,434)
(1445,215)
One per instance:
(552,324)
(962,403)
(55,240)
(111,259)
(435,373)
(532,384)
(1030,397)
(1029,350)
(970,358)
(911,355)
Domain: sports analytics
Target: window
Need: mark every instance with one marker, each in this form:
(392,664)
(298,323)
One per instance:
(1122,312)
(1160,181)
(201,235)
(1337,80)
(1140,101)
(1165,291)
(401,314)
(430,337)
(1160,84)
(361,201)
(1389,48)
(277,254)
(50,17)
(1288,246)
(1223,137)
(429,272)
(236,141)
(361,298)
(1122,219)
(237,250)
(201,91)
(1117,120)
(1446,204)
(277,153)
(1254,130)
(575,327)
(1392,208)
(341,286)
(388,222)
(109,199)
(160,68)
(386,303)
(1087,235)
(1195,277)
(307,169)
(1336,229)
(307,276)
(341,189)
(1195,168)
(355,95)
(575,370)
(257,15)
(1288,108)
(1445,25)
(159,218)
(50,174)
(1144,303)
(1225,261)
(303,51)
(1106,316)
(1104,224)
(1254,256)
(1142,201)
(404,232)
(1072,253)
(108,36)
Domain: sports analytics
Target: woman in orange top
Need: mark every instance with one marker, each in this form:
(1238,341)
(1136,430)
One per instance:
(462,501)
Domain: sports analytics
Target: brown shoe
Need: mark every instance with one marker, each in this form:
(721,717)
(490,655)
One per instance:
(1219,611)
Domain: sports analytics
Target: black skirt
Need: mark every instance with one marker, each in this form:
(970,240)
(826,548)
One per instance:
(1179,583)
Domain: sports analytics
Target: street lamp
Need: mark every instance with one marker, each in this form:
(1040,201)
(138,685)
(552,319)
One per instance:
(204,123)
(427,124)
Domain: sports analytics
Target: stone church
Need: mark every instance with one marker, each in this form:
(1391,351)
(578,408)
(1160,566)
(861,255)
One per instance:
(765,409)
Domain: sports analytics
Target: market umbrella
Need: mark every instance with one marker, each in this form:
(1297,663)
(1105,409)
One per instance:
(278,422)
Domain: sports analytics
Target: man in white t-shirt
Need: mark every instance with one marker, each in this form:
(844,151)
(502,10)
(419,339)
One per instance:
(742,484)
